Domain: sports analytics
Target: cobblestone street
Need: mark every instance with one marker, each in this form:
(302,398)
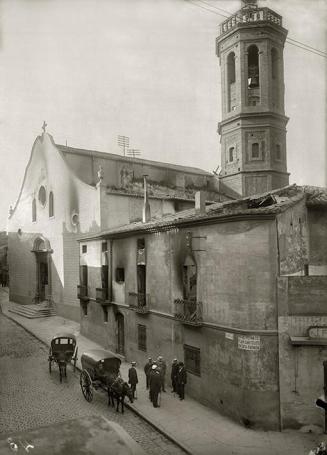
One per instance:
(30,397)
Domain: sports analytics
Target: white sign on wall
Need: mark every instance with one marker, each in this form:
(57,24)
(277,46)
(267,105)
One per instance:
(229,336)
(249,343)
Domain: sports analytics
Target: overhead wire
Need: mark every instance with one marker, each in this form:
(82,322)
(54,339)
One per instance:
(289,40)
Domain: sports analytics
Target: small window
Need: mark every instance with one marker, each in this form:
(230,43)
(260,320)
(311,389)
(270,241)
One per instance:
(120,275)
(192,359)
(105,313)
(278,152)
(255,150)
(104,247)
(34,210)
(42,196)
(231,154)
(140,244)
(51,206)
(141,335)
(84,248)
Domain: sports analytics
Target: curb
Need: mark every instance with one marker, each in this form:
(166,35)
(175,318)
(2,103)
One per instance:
(128,406)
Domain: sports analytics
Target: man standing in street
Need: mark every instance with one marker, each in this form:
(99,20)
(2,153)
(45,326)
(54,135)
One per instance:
(173,375)
(155,385)
(181,380)
(147,369)
(162,369)
(133,379)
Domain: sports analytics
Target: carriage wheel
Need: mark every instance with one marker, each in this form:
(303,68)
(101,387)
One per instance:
(75,359)
(86,385)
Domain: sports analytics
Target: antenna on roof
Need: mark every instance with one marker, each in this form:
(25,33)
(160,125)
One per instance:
(123,141)
(133,152)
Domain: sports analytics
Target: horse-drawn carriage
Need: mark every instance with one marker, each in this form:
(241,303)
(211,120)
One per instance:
(100,370)
(63,349)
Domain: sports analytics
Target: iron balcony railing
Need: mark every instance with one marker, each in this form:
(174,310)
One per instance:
(139,302)
(101,294)
(82,292)
(188,311)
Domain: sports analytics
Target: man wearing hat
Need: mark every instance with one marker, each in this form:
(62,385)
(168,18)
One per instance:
(147,369)
(155,385)
(133,379)
(162,370)
(181,380)
(173,375)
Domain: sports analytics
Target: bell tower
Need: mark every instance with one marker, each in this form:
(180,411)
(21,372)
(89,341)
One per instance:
(253,127)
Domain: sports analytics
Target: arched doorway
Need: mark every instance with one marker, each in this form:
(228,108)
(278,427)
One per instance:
(120,333)
(42,251)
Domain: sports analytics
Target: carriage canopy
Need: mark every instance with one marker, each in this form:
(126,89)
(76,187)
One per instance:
(100,357)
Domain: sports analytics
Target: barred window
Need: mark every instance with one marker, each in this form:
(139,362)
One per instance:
(84,248)
(141,334)
(192,359)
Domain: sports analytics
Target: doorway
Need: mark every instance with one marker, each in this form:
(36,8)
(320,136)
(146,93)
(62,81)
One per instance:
(42,276)
(120,334)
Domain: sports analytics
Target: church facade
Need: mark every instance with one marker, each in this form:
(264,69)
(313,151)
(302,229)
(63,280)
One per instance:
(69,192)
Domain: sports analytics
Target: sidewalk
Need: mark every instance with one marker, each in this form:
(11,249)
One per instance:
(196,428)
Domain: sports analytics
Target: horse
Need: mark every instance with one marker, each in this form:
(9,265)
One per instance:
(117,390)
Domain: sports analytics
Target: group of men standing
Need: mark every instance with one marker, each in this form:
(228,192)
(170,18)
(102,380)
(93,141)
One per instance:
(155,374)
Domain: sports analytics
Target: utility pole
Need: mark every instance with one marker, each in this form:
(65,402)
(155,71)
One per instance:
(123,141)
(133,152)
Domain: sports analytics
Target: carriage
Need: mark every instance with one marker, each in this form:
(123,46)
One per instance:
(100,370)
(63,349)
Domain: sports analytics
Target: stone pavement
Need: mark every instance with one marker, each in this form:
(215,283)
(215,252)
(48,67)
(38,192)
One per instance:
(194,427)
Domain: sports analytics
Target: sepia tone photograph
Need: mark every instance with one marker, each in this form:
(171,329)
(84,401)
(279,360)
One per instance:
(163,227)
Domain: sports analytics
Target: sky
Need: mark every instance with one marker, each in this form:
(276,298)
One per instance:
(146,69)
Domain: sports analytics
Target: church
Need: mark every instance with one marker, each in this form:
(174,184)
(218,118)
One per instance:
(228,274)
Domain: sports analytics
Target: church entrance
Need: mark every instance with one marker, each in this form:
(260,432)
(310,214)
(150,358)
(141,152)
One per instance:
(42,251)
(43,276)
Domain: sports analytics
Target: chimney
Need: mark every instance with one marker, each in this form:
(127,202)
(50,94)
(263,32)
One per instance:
(146,214)
(200,202)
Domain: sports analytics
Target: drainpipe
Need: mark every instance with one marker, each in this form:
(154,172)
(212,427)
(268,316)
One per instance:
(146,214)
(110,270)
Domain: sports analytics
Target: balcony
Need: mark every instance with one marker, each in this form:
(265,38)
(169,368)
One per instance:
(139,302)
(101,296)
(82,292)
(243,17)
(188,312)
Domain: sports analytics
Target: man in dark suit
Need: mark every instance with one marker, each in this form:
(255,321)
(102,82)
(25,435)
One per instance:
(181,380)
(173,375)
(155,385)
(133,379)
(147,369)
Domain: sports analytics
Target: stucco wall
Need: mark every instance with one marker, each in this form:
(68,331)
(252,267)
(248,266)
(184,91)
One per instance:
(301,373)
(236,285)
(47,168)
(293,239)
(317,240)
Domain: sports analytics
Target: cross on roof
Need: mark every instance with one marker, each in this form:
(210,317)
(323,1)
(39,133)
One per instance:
(44,126)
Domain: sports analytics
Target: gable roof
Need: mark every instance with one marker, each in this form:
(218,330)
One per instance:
(111,156)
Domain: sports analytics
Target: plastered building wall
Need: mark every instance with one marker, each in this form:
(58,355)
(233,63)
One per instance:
(242,383)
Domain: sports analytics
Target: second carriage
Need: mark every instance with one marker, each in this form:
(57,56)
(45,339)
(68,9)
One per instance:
(101,370)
